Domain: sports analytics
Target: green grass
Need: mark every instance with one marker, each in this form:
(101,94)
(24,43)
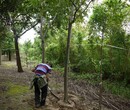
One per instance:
(14,96)
(9,64)
(117,88)
(59,69)
(92,78)
(15,89)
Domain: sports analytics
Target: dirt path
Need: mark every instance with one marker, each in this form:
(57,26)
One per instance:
(15,93)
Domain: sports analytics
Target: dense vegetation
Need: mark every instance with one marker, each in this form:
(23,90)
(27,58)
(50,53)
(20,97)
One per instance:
(85,44)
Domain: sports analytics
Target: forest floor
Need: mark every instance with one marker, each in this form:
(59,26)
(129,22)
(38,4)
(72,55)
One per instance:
(16,95)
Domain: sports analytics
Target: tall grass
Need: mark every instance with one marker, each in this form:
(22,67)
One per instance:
(117,88)
(114,87)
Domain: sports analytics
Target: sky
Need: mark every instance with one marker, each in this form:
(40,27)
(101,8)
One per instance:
(29,35)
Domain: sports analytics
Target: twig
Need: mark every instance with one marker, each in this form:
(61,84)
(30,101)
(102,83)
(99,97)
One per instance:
(53,93)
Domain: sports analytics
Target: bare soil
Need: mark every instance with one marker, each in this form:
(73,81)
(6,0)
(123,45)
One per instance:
(81,94)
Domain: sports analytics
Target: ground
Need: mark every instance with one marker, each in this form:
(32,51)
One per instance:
(16,94)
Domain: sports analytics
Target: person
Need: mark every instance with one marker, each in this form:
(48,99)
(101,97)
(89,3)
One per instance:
(40,83)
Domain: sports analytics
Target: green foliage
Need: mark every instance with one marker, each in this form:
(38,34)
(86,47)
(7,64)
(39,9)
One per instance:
(9,5)
(18,15)
(55,51)
(8,43)
(108,18)
(31,52)
(84,57)
(3,33)
(6,39)
(37,49)
(89,77)
(28,50)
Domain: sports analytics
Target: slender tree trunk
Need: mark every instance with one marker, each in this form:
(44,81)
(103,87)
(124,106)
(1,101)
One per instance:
(43,51)
(126,74)
(111,57)
(9,55)
(43,37)
(101,81)
(0,54)
(18,60)
(127,61)
(42,42)
(66,64)
(26,59)
(71,21)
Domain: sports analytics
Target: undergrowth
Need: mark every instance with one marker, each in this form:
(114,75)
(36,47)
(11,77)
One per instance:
(114,87)
(117,88)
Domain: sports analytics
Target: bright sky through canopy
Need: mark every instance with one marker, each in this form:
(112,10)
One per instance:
(29,35)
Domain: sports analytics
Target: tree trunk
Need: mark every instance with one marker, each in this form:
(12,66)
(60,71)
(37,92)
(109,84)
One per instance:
(66,64)
(18,60)
(101,81)
(111,59)
(42,42)
(26,59)
(43,37)
(9,55)
(43,51)
(0,55)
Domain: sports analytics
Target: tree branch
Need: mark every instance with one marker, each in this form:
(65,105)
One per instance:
(73,4)
(86,7)
(28,29)
(77,8)
(49,25)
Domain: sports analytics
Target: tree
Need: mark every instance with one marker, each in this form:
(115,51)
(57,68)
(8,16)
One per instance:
(19,16)
(74,10)
(2,37)
(114,14)
(99,19)
(67,12)
(106,22)
(46,16)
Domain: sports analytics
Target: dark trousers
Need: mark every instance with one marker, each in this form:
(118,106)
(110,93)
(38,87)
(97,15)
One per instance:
(40,94)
